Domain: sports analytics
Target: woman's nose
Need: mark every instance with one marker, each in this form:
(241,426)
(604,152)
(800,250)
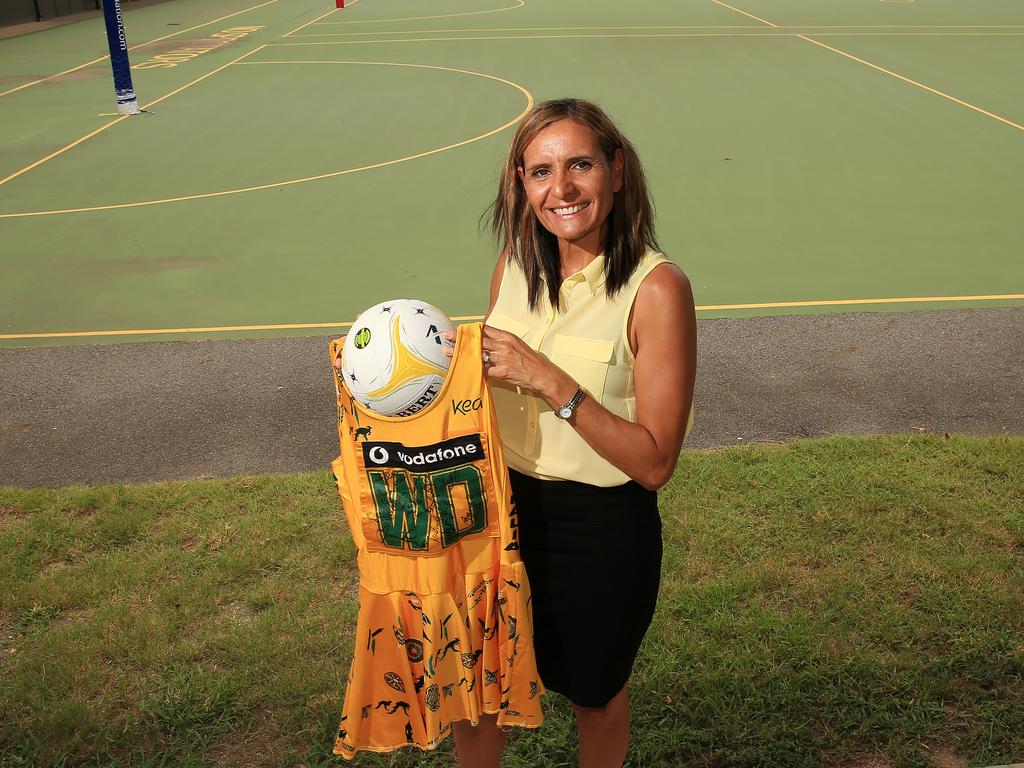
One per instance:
(564,187)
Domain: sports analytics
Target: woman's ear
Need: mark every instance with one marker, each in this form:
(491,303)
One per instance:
(618,162)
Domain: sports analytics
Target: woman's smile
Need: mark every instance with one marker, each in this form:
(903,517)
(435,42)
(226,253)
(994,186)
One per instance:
(570,210)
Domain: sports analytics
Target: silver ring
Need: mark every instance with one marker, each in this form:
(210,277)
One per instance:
(487,357)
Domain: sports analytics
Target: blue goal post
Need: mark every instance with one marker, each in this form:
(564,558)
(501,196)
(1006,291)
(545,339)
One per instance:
(127,103)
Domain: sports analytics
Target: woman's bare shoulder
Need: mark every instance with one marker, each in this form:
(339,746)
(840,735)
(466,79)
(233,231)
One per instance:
(663,308)
(665,283)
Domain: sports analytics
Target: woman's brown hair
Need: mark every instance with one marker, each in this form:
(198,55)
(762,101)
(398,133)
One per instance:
(534,249)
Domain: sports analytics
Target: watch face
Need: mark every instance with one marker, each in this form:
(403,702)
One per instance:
(565,412)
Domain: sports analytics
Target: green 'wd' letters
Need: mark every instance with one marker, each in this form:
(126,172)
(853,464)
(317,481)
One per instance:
(398,517)
(404,505)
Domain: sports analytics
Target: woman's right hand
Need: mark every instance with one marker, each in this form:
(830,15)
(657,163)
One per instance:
(337,359)
(449,343)
(509,359)
(506,358)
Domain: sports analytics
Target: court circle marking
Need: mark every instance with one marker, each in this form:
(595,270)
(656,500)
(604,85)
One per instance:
(318,177)
(518,4)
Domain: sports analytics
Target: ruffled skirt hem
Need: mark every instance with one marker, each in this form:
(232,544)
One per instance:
(424,661)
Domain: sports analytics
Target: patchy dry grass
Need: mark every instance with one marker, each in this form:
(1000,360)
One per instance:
(841,603)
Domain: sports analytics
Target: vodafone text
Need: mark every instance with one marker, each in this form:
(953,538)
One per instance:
(448,453)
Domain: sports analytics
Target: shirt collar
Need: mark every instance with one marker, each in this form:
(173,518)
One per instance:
(592,274)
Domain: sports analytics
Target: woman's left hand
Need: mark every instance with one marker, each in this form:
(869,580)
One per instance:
(508,359)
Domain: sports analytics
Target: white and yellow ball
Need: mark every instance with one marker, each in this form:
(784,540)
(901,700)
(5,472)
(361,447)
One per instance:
(393,361)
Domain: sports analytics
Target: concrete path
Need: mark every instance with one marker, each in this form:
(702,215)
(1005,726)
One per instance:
(140,412)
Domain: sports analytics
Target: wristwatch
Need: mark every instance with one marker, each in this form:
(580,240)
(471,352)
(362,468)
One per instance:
(566,411)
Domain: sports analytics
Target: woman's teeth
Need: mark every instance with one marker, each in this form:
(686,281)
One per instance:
(570,209)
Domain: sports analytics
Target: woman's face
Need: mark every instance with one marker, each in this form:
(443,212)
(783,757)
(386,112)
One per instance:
(570,183)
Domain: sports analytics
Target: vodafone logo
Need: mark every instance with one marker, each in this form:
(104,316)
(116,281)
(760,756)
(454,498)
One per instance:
(453,452)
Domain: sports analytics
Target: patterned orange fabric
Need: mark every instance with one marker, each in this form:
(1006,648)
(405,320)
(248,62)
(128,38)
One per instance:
(444,631)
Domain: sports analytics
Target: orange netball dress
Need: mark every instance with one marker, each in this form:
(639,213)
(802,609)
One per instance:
(444,630)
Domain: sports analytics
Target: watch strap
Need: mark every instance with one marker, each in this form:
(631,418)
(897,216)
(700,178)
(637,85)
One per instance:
(573,403)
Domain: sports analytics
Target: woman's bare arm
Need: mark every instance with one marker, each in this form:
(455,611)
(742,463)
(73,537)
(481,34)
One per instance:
(499,272)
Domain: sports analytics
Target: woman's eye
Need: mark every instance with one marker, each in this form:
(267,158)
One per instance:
(540,173)
(583,165)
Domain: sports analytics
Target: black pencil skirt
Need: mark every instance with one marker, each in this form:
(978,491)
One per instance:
(593,557)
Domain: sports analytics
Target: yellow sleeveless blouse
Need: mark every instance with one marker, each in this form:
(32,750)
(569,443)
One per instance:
(587,337)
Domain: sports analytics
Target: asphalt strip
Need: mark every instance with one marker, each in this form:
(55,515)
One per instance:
(172,410)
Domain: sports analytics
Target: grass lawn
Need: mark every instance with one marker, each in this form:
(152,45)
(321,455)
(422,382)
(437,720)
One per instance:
(844,602)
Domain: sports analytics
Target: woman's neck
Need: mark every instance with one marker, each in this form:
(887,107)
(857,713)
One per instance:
(575,255)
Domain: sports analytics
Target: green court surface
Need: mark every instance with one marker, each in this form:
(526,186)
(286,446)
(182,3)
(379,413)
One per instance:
(301,162)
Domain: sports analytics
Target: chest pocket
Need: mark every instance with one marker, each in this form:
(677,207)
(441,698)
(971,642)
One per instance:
(586,360)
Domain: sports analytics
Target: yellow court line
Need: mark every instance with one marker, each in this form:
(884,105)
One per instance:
(912,34)
(529,37)
(212,329)
(867,63)
(900,26)
(332,174)
(102,128)
(731,8)
(859,302)
(471,318)
(62,150)
(532,29)
(937,92)
(140,45)
(686,26)
(208,74)
(314,21)
(638,35)
(519,4)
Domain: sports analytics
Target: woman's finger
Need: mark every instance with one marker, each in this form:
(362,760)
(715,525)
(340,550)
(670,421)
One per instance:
(341,348)
(508,344)
(490,332)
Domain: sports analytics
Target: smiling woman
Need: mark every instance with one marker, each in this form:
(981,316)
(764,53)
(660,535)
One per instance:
(573,205)
(591,350)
